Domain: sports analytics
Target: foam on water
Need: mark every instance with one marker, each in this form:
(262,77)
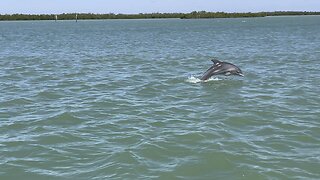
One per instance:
(193,79)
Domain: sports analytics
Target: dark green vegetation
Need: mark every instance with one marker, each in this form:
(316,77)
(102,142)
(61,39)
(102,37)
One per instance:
(192,15)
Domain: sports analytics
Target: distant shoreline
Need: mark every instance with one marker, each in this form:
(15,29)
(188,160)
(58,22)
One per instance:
(192,15)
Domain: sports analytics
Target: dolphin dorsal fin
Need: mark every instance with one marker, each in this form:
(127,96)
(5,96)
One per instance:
(215,61)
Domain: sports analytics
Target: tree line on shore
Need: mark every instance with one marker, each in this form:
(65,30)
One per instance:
(192,15)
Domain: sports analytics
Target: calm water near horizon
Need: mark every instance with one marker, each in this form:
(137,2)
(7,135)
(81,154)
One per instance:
(121,99)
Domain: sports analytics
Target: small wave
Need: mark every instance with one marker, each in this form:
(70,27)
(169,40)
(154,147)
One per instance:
(193,79)
(65,119)
(16,102)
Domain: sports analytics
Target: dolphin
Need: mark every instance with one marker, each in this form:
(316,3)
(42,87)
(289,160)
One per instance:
(220,67)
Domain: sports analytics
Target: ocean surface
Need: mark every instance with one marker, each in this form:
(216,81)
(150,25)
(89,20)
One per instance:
(122,99)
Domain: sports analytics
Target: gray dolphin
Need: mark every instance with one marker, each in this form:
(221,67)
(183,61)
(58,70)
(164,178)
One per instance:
(220,67)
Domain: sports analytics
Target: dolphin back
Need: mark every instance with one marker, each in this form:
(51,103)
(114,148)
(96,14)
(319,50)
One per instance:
(211,70)
(215,61)
(208,73)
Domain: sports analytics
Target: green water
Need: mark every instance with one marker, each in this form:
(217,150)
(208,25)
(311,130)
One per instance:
(121,99)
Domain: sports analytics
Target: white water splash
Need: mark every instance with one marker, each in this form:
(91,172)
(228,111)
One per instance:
(193,79)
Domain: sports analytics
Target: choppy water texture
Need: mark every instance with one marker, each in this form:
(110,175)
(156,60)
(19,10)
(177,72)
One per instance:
(120,99)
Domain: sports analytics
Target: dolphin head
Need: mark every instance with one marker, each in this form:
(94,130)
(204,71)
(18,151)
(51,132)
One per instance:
(237,71)
(230,69)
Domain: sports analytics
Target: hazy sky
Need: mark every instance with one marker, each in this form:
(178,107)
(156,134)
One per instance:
(147,6)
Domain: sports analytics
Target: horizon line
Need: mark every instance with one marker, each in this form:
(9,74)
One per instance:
(160,12)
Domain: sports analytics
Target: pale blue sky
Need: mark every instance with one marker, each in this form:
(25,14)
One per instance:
(148,6)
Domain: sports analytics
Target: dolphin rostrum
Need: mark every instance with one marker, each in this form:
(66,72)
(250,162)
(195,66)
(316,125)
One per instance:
(220,67)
